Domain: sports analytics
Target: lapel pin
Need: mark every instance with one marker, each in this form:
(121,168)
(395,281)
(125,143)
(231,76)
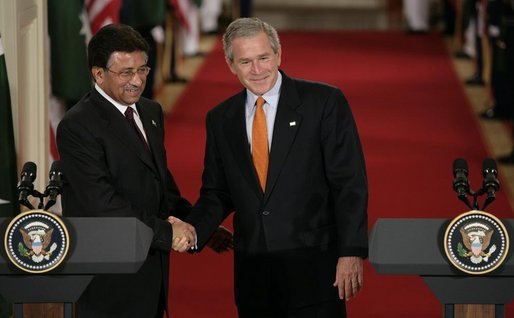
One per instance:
(292,123)
(154,123)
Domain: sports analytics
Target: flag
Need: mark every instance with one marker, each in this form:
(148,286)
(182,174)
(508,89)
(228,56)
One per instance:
(181,9)
(103,12)
(8,170)
(69,31)
(142,17)
(71,25)
(68,27)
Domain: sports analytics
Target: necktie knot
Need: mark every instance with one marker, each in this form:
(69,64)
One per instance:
(129,113)
(260,102)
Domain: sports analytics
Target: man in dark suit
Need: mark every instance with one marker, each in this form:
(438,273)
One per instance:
(300,222)
(111,145)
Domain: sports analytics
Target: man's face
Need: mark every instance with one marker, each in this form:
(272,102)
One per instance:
(255,64)
(123,88)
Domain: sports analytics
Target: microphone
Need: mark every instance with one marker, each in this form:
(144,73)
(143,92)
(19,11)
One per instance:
(26,185)
(490,173)
(54,187)
(460,174)
(460,180)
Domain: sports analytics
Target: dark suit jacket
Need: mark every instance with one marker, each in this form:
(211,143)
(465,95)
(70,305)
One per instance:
(108,173)
(314,207)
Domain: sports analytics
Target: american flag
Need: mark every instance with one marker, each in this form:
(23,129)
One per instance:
(181,8)
(102,12)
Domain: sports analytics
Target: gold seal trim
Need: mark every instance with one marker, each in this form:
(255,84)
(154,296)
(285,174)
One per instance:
(452,229)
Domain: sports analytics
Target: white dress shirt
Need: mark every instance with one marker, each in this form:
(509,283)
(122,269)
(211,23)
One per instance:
(123,108)
(270,109)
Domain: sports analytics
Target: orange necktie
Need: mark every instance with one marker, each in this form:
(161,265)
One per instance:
(260,142)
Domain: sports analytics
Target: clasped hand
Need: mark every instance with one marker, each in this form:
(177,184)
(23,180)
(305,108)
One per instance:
(184,235)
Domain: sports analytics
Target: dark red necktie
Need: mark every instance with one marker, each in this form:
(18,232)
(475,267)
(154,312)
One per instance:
(129,114)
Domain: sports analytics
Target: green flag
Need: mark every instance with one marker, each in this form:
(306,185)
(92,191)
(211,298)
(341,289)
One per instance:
(8,194)
(68,54)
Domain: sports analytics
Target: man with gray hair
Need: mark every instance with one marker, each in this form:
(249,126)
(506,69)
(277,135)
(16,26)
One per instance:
(284,155)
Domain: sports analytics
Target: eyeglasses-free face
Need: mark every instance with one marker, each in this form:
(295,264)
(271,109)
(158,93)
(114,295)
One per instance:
(255,64)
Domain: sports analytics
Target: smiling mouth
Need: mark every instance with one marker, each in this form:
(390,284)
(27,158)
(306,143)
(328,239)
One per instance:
(132,90)
(259,79)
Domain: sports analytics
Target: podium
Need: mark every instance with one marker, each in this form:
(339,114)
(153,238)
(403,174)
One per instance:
(415,247)
(97,246)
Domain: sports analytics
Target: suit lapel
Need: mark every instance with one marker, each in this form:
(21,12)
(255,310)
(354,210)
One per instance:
(153,132)
(287,123)
(118,125)
(235,133)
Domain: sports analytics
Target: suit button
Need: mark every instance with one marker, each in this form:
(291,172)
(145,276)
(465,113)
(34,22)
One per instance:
(266,213)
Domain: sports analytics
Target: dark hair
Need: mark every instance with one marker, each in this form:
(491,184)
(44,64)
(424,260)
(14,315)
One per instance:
(114,38)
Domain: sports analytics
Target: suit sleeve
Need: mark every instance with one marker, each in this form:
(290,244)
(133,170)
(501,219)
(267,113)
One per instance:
(177,205)
(214,204)
(346,174)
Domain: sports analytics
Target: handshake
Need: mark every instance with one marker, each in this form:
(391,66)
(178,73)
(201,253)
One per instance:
(184,237)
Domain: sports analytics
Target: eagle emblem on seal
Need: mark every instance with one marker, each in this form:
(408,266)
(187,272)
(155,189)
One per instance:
(37,244)
(476,237)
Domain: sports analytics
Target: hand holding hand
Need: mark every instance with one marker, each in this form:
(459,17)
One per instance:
(349,274)
(222,240)
(184,234)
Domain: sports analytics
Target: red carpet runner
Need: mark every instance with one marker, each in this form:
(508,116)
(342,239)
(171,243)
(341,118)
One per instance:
(414,120)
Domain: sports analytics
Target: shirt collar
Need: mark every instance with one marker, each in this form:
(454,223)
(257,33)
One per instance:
(271,96)
(119,106)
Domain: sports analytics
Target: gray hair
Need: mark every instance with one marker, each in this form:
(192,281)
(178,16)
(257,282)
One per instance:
(246,27)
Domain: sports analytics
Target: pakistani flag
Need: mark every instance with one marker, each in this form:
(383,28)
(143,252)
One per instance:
(8,195)
(67,26)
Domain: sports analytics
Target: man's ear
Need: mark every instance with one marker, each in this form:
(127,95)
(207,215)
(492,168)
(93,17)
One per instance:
(279,56)
(98,74)
(230,65)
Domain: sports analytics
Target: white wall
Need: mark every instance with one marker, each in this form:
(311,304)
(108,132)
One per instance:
(323,14)
(23,25)
(342,4)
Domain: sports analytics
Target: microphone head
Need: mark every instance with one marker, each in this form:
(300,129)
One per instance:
(489,166)
(56,167)
(460,165)
(30,169)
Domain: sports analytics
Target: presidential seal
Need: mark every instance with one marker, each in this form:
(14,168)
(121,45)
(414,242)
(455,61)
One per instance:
(36,241)
(476,242)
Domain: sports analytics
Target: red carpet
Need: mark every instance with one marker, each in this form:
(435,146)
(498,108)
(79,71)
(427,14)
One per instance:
(414,120)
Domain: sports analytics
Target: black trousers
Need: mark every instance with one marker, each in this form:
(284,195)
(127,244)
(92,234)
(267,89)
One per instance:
(330,309)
